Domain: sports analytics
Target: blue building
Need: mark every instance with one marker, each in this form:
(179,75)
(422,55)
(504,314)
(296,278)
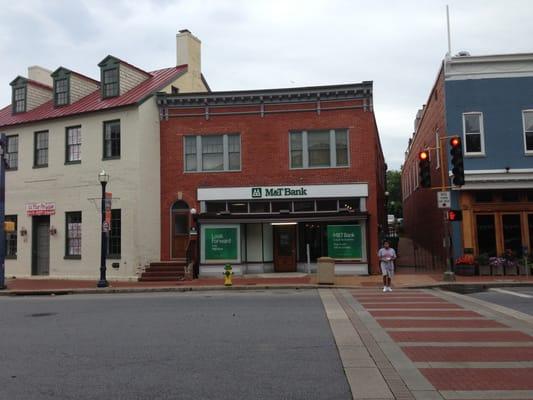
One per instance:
(488,102)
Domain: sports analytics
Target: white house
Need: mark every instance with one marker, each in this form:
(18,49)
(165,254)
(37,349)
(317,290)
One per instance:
(62,129)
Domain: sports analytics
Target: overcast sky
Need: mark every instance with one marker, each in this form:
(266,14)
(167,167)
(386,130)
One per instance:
(266,44)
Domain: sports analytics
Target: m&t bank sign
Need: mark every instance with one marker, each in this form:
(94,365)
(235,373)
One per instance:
(259,193)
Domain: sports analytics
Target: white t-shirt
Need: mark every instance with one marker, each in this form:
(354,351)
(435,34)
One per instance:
(387,257)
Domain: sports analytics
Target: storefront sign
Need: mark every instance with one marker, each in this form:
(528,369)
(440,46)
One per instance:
(283,192)
(44,208)
(344,241)
(221,243)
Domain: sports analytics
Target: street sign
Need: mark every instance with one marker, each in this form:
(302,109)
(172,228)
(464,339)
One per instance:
(444,199)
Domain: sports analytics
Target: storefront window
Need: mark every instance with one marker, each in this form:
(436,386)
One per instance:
(215,206)
(530,223)
(510,196)
(278,206)
(350,204)
(304,206)
(238,208)
(260,207)
(326,205)
(11,238)
(486,234)
(512,234)
(483,196)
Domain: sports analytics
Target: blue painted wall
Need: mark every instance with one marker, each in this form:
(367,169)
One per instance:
(501,100)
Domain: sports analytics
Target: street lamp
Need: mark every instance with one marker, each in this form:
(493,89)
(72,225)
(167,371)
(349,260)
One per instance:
(103,178)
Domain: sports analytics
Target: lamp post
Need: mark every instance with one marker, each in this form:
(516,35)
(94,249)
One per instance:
(103,178)
(194,215)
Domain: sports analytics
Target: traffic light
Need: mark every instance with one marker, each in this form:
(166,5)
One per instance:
(424,169)
(455,215)
(458,169)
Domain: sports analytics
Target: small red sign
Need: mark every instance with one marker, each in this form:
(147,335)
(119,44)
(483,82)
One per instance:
(43,208)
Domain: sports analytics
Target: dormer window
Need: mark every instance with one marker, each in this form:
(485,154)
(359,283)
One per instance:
(19,99)
(61,91)
(110,82)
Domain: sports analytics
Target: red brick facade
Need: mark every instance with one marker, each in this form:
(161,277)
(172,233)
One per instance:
(264,132)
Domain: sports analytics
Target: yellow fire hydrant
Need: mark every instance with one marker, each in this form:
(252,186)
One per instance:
(227,275)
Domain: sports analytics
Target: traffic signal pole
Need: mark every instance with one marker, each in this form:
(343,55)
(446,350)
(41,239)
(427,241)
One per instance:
(3,149)
(449,275)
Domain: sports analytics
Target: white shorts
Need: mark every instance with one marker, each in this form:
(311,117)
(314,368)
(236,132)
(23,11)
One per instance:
(387,270)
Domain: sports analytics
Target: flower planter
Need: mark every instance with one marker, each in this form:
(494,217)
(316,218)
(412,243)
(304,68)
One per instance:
(497,270)
(484,270)
(465,269)
(511,269)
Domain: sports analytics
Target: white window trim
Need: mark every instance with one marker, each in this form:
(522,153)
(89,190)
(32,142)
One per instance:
(481,133)
(526,151)
(332,149)
(225,154)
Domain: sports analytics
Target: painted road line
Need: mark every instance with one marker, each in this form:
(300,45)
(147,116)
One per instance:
(462,336)
(487,394)
(480,378)
(471,354)
(478,318)
(527,296)
(446,329)
(474,364)
(465,344)
(436,323)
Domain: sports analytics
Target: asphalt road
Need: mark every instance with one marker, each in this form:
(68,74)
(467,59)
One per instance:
(208,345)
(517,298)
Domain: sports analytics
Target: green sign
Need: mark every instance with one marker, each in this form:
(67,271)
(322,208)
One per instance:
(344,241)
(220,243)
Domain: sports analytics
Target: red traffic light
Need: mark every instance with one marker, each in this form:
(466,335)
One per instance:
(455,142)
(423,155)
(455,215)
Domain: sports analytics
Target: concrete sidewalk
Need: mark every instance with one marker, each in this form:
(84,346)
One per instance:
(45,286)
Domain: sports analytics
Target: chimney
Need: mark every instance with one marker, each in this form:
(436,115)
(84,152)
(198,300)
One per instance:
(188,51)
(40,74)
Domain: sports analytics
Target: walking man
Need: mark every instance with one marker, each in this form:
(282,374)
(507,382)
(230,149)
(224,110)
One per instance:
(387,255)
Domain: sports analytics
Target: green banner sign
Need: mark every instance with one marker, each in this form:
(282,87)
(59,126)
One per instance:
(344,241)
(220,243)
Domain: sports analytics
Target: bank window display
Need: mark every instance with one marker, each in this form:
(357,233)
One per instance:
(73,149)
(115,233)
(319,149)
(473,133)
(11,238)
(40,158)
(221,244)
(112,139)
(528,131)
(73,236)
(212,153)
(12,154)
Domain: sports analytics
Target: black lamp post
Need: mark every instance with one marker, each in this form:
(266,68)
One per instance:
(103,178)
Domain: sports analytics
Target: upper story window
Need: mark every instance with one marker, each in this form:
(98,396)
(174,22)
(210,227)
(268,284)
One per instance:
(112,139)
(473,133)
(19,99)
(212,153)
(12,154)
(528,131)
(110,85)
(40,155)
(61,92)
(73,144)
(319,149)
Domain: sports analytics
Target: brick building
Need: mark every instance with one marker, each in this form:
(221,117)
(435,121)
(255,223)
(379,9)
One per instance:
(488,102)
(269,180)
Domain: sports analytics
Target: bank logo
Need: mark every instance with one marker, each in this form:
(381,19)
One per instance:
(257,192)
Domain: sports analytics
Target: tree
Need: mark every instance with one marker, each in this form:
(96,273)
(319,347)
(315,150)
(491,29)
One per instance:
(394,187)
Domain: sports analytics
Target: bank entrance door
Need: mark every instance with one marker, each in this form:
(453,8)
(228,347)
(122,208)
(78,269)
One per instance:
(285,248)
(40,246)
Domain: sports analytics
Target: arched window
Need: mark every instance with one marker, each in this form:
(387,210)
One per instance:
(180,205)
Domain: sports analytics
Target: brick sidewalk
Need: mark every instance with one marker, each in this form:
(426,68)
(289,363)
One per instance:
(463,352)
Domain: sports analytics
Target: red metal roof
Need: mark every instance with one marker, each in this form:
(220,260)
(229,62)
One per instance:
(93,102)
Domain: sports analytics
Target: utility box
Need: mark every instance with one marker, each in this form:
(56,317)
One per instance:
(326,271)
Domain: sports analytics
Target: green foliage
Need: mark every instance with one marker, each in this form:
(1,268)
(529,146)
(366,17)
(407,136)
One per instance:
(394,187)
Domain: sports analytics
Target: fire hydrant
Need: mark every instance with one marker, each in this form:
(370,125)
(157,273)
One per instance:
(227,275)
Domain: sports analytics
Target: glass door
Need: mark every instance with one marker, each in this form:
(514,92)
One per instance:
(486,234)
(512,233)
